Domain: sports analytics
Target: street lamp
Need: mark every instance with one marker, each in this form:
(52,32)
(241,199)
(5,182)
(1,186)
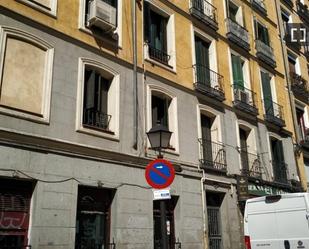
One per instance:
(159,137)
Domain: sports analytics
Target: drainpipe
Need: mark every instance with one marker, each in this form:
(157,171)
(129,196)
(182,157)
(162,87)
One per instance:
(135,82)
(205,226)
(288,83)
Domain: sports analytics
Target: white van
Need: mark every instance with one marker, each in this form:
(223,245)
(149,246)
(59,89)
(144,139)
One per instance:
(277,222)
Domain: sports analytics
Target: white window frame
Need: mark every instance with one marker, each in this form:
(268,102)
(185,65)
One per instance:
(83,27)
(6,32)
(172,116)
(113,100)
(170,32)
(240,124)
(213,64)
(50,10)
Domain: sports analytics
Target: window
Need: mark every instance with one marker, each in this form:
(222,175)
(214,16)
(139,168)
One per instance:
(15,198)
(261,33)
(267,93)
(93,218)
(102,18)
(162,108)
(285,20)
(202,61)
(235,13)
(26,75)
(214,202)
(278,163)
(292,64)
(159,35)
(238,69)
(170,223)
(301,123)
(306,163)
(46,6)
(98,100)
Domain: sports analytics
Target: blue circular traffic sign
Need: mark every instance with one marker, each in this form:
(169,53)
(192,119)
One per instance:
(160,173)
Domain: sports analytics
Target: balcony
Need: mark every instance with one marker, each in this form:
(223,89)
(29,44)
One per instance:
(96,119)
(288,3)
(205,12)
(213,156)
(280,170)
(274,113)
(265,53)
(158,55)
(244,99)
(302,10)
(259,6)
(237,34)
(299,87)
(208,82)
(251,165)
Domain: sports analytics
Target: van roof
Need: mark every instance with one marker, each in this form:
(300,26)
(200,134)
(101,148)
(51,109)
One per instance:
(291,195)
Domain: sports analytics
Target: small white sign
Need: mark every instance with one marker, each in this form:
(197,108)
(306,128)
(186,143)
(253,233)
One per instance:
(161,194)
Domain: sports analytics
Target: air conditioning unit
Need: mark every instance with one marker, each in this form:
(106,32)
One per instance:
(242,96)
(102,15)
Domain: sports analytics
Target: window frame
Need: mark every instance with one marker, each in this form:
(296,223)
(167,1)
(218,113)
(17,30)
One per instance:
(172,116)
(51,11)
(84,28)
(6,32)
(170,36)
(113,133)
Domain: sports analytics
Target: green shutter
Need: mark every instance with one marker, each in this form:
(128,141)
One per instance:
(238,78)
(268,104)
(202,61)
(206,137)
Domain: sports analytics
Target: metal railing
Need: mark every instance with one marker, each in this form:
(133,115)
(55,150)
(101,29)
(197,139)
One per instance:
(265,52)
(302,10)
(204,11)
(96,119)
(237,34)
(251,164)
(15,247)
(214,227)
(175,245)
(289,3)
(158,55)
(280,170)
(299,86)
(244,98)
(213,155)
(94,246)
(208,81)
(273,112)
(259,4)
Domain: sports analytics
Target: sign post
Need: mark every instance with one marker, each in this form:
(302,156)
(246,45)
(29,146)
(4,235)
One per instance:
(160,174)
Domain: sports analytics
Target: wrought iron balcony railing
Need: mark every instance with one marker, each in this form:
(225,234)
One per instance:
(289,3)
(260,6)
(213,155)
(305,141)
(281,173)
(244,99)
(273,113)
(237,34)
(299,87)
(94,246)
(175,245)
(302,10)
(265,53)
(158,55)
(208,82)
(96,119)
(15,247)
(205,12)
(251,165)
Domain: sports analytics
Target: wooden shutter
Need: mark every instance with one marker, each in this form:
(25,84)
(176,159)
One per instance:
(268,104)
(89,94)
(244,149)
(206,137)
(104,86)
(238,78)
(202,61)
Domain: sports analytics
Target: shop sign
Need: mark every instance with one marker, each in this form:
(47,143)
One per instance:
(242,188)
(260,190)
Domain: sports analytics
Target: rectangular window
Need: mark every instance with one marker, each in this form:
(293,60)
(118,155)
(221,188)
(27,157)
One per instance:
(301,123)
(238,74)
(243,136)
(292,64)
(93,218)
(261,33)
(285,20)
(95,100)
(233,12)
(279,167)
(159,107)
(202,61)
(206,124)
(15,197)
(170,223)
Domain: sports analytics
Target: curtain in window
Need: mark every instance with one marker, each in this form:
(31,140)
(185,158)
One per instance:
(202,61)
(268,103)
(238,78)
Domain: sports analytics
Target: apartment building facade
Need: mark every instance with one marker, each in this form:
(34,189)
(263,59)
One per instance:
(80,89)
